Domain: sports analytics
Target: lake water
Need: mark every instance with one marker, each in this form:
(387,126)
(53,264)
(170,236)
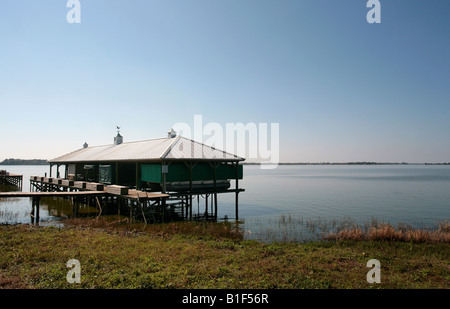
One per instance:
(298,202)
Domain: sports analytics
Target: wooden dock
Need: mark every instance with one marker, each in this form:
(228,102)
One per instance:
(69,187)
(146,205)
(50,194)
(100,195)
(11,179)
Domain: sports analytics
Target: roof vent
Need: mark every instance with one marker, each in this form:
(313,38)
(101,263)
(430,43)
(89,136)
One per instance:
(119,138)
(171,134)
(85,145)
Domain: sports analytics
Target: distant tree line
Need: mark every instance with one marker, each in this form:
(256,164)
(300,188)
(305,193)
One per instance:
(23,162)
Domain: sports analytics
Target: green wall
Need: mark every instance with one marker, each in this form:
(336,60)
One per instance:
(180,172)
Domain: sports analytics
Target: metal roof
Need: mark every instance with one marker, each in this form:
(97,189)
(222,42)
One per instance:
(178,148)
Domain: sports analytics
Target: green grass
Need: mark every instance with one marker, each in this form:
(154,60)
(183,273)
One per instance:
(116,254)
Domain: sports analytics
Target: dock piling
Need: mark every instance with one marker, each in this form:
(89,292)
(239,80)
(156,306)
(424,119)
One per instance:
(35,208)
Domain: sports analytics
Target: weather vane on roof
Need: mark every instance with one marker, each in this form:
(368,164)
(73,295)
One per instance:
(118,129)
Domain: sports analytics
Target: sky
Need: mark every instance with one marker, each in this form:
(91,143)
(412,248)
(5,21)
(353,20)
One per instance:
(341,89)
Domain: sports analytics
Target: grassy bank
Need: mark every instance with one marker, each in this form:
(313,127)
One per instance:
(116,254)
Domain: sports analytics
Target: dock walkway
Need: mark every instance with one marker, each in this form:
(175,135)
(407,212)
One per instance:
(59,185)
(50,194)
(79,192)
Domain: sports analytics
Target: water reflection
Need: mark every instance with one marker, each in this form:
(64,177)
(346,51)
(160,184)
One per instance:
(16,210)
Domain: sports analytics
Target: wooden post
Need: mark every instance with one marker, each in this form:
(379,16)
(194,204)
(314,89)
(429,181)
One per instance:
(131,211)
(212,205)
(74,202)
(215,205)
(99,207)
(237,192)
(37,209)
(163,209)
(142,209)
(215,190)
(32,210)
(118,207)
(190,188)
(198,205)
(206,206)
(188,201)
(183,203)
(189,208)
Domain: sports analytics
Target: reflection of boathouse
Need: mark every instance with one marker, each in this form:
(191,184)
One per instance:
(174,165)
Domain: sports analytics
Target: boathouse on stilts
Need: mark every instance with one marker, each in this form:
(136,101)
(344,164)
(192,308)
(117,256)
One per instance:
(189,173)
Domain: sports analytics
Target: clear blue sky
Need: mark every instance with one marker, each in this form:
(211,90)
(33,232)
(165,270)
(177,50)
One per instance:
(340,88)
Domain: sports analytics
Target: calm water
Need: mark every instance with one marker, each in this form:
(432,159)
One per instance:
(297,202)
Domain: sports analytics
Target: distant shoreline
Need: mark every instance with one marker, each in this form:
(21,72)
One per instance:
(23,162)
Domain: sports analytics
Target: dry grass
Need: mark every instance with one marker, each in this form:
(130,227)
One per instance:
(387,232)
(11,282)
